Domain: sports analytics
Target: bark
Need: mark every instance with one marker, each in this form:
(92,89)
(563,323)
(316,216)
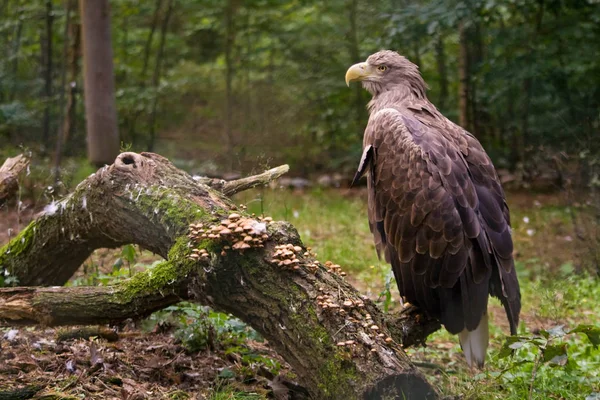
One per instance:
(9,176)
(144,199)
(99,82)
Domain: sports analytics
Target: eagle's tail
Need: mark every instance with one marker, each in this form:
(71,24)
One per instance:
(475,343)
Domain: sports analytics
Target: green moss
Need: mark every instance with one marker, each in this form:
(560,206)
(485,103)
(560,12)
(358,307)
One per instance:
(16,247)
(338,375)
(162,275)
(174,210)
(19,244)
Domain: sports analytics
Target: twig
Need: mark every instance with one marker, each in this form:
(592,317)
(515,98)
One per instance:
(536,365)
(239,185)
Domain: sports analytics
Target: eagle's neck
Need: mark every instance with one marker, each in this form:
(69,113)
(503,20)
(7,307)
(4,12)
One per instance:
(409,87)
(394,98)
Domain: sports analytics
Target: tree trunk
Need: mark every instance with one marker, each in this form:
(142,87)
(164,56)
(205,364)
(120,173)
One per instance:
(337,342)
(99,82)
(148,45)
(440,56)
(475,54)
(9,176)
(157,72)
(69,6)
(16,48)
(47,62)
(230,33)
(70,137)
(360,111)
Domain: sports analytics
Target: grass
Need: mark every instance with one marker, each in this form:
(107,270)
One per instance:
(334,223)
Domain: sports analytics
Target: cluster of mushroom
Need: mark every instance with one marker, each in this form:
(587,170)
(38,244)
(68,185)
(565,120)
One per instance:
(334,268)
(286,255)
(370,324)
(241,233)
(199,253)
(326,301)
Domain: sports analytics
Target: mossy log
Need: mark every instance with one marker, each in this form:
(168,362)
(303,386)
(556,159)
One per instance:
(338,343)
(9,176)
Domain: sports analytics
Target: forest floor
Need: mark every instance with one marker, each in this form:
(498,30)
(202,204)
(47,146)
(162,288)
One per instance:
(191,352)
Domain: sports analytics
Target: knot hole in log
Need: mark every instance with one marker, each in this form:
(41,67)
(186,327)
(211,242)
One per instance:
(129,160)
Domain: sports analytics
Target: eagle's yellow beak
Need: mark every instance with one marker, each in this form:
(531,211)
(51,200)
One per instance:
(358,72)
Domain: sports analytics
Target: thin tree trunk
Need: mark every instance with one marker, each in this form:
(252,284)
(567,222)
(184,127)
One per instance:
(463,79)
(157,73)
(317,322)
(99,82)
(69,6)
(230,35)
(520,142)
(475,55)
(359,102)
(440,56)
(15,55)
(70,138)
(149,39)
(47,48)
(132,123)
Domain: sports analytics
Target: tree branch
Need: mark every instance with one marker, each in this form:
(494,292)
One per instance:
(229,188)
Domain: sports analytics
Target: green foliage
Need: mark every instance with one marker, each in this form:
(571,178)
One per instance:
(225,392)
(199,328)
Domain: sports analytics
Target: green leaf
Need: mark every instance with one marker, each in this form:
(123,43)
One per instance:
(128,253)
(510,345)
(555,354)
(557,331)
(226,373)
(591,331)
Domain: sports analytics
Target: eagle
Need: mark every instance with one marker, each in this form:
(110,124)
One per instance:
(436,206)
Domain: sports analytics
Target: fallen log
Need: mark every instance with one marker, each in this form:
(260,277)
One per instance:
(9,176)
(338,343)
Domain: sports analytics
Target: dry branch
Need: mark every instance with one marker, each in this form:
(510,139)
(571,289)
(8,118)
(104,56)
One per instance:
(229,188)
(9,176)
(338,342)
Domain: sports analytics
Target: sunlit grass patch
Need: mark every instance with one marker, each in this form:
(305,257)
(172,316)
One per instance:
(333,224)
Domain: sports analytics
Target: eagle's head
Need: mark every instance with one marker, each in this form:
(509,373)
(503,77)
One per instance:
(387,70)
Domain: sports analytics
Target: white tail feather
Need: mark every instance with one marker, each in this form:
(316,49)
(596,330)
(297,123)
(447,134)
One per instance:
(475,343)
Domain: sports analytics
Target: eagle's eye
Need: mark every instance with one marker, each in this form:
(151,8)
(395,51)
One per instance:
(381,68)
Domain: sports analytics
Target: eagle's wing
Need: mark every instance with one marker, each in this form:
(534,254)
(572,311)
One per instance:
(437,222)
